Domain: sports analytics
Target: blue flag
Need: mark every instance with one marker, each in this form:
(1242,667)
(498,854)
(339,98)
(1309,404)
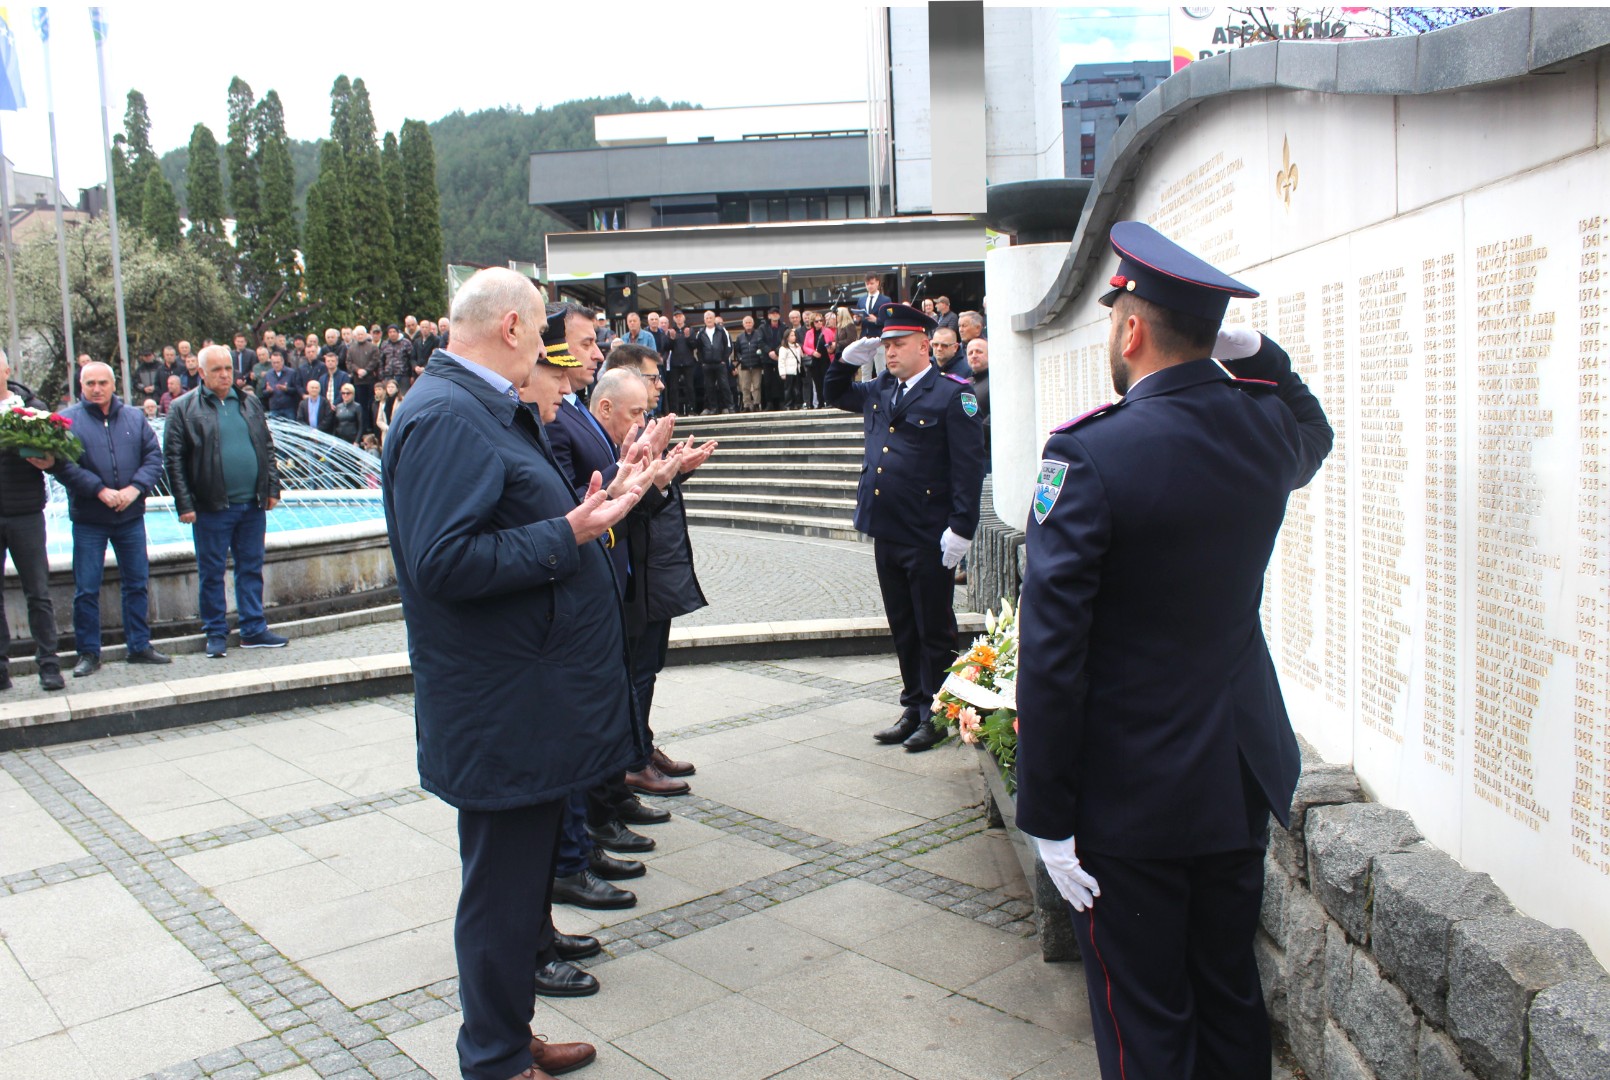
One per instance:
(11,96)
(97,23)
(42,22)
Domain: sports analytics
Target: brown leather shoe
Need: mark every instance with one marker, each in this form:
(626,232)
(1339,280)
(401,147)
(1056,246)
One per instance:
(532,1073)
(669,767)
(551,1059)
(651,781)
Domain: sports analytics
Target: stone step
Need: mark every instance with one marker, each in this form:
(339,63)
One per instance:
(825,526)
(789,455)
(823,439)
(839,471)
(825,504)
(719,427)
(771,486)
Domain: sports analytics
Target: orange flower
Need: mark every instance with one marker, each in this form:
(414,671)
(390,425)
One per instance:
(953,710)
(1014,725)
(983,655)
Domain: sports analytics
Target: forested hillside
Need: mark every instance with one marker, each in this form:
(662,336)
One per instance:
(482,163)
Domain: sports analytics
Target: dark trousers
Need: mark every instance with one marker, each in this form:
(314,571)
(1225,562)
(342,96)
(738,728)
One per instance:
(717,386)
(679,387)
(917,594)
(575,845)
(23,537)
(503,933)
(89,568)
(646,654)
(364,395)
(1168,961)
(237,530)
(815,371)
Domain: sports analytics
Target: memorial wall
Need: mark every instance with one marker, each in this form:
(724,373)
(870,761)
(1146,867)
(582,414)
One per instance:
(1438,603)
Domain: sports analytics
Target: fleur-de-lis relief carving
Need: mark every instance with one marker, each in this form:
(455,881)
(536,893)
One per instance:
(1286,178)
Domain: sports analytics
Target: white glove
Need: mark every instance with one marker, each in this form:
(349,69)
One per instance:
(1237,344)
(1077,887)
(952,549)
(861,351)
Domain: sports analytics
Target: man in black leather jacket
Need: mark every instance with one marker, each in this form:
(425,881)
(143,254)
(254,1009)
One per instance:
(220,460)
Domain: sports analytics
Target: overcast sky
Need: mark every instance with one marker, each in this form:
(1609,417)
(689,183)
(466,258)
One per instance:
(423,60)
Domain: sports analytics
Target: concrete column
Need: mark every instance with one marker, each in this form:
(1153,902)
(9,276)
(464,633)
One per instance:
(956,105)
(1016,278)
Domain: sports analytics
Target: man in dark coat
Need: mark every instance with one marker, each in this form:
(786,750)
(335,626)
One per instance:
(22,535)
(1151,724)
(918,500)
(107,486)
(714,348)
(507,592)
(681,362)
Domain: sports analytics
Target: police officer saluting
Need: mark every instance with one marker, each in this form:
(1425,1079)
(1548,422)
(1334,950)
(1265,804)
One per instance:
(918,498)
(1151,727)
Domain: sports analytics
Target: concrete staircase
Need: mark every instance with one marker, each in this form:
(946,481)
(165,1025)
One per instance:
(783,472)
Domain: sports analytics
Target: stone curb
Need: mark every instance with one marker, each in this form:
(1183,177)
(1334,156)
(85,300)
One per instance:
(74,716)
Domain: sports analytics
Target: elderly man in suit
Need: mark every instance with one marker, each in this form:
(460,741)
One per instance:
(506,591)
(1151,725)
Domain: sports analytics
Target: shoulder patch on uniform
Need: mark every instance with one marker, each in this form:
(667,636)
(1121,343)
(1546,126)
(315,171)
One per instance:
(1082,417)
(958,378)
(1048,487)
(1254,384)
(969,404)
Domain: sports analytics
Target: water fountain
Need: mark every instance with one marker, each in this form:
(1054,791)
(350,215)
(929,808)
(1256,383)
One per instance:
(326,548)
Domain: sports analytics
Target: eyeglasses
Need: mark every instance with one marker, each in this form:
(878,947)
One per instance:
(656,378)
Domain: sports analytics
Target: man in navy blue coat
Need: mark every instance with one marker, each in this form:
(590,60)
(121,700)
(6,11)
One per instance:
(1151,723)
(507,593)
(918,499)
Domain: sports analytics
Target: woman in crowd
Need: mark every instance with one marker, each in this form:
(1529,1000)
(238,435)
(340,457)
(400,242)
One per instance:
(790,361)
(348,416)
(841,335)
(390,398)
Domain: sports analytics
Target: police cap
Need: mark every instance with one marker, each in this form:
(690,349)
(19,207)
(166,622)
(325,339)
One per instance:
(1155,268)
(898,320)
(556,350)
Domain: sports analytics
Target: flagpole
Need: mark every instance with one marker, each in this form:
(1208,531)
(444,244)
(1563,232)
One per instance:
(5,241)
(55,198)
(97,19)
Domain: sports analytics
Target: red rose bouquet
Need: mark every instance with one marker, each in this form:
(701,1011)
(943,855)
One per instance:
(38,433)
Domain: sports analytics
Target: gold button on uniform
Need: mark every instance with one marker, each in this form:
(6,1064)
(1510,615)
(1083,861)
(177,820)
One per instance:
(880,468)
(885,449)
(875,491)
(891,429)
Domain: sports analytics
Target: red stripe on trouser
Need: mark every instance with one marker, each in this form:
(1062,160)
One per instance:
(1105,974)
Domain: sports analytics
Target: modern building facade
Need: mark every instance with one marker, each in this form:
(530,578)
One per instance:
(748,208)
(1096,98)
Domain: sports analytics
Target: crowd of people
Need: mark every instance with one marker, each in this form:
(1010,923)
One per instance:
(346,382)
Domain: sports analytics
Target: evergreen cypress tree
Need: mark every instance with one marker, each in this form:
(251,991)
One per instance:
(243,189)
(376,281)
(129,194)
(340,113)
(328,249)
(204,199)
(160,210)
(137,155)
(391,174)
(277,223)
(423,268)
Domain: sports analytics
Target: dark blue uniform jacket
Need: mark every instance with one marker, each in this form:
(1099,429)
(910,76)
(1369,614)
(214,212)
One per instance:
(1144,681)
(924,464)
(514,632)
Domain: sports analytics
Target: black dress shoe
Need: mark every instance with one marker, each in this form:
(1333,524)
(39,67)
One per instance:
(561,978)
(148,656)
(617,837)
(926,737)
(575,946)
(612,869)
(5,680)
(899,732)
(634,812)
(586,890)
(88,664)
(50,679)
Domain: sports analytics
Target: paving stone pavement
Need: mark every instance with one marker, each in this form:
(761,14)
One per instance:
(747,577)
(272,896)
